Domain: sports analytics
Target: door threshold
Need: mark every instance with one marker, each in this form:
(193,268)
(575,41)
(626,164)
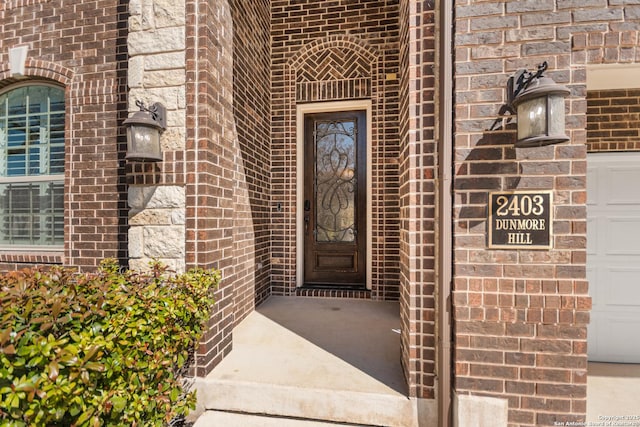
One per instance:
(335,287)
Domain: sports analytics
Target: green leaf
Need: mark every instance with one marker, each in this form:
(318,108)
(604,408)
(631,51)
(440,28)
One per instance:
(85,416)
(56,308)
(175,393)
(92,352)
(74,410)
(119,403)
(84,377)
(14,401)
(94,366)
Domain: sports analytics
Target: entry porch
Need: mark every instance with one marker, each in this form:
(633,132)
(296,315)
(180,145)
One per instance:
(312,361)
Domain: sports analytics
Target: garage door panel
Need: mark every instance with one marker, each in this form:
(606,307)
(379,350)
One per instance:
(613,256)
(623,236)
(618,188)
(592,272)
(623,282)
(599,294)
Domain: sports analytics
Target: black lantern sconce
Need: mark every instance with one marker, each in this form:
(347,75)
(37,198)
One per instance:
(143,133)
(538,102)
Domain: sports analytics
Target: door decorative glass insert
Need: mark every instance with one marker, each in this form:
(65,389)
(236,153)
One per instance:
(336,181)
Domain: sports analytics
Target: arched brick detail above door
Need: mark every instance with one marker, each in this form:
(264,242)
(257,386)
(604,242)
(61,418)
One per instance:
(343,42)
(334,68)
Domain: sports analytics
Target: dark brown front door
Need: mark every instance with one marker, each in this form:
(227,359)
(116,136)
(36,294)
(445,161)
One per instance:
(335,199)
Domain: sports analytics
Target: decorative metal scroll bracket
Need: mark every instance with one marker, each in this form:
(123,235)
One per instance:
(518,83)
(158,112)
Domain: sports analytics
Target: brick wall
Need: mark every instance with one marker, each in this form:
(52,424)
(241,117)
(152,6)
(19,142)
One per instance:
(210,164)
(252,113)
(613,120)
(65,48)
(327,52)
(417,197)
(223,172)
(520,316)
(227,160)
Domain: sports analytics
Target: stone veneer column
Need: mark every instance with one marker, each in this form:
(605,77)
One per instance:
(157,220)
(157,73)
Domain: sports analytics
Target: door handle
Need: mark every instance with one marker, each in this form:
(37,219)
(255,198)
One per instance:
(307,208)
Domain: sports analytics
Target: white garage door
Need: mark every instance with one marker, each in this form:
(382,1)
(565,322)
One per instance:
(613,261)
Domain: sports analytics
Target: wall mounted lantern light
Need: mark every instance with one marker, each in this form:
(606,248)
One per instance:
(143,133)
(539,104)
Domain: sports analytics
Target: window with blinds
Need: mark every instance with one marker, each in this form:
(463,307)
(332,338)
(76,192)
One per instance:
(32,121)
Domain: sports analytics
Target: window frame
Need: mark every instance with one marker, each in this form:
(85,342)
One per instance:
(34,179)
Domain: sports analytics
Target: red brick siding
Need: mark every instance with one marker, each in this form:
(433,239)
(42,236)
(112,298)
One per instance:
(228,160)
(93,70)
(608,35)
(307,37)
(12,261)
(13,4)
(252,113)
(613,120)
(417,197)
(407,339)
(210,165)
(520,316)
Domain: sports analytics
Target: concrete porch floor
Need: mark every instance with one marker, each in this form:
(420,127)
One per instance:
(311,361)
(334,344)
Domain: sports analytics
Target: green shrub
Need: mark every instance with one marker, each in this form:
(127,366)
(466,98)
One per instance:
(99,349)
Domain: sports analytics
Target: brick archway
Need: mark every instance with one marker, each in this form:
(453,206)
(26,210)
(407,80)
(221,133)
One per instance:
(341,41)
(36,68)
(334,68)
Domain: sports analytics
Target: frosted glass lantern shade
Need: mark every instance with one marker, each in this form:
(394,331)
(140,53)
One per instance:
(540,110)
(143,133)
(555,104)
(532,118)
(143,143)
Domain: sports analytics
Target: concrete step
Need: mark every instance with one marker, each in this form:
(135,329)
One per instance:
(337,406)
(229,419)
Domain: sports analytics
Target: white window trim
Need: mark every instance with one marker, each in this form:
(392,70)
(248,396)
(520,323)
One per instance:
(31,178)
